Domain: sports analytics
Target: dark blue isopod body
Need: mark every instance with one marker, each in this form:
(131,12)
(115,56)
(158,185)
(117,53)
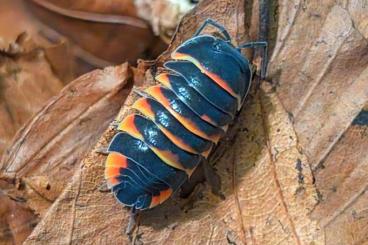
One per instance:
(147,131)
(140,153)
(180,121)
(219,60)
(141,178)
(134,185)
(186,116)
(204,85)
(194,100)
(172,128)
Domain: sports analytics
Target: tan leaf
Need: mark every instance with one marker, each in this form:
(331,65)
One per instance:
(122,7)
(102,33)
(57,49)
(163,15)
(46,152)
(26,83)
(16,218)
(342,183)
(324,85)
(322,75)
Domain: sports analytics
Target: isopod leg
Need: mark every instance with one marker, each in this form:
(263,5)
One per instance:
(102,151)
(204,172)
(104,187)
(132,223)
(264,46)
(215,24)
(213,179)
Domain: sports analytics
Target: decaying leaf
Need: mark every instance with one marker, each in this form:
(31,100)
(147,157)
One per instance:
(266,180)
(47,151)
(322,79)
(16,222)
(11,11)
(101,33)
(117,7)
(26,83)
(322,73)
(164,15)
(342,182)
(57,49)
(79,36)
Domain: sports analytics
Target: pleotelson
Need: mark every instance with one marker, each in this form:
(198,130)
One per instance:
(178,123)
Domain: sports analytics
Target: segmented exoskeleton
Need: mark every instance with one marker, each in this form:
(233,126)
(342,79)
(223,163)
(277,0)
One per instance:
(180,121)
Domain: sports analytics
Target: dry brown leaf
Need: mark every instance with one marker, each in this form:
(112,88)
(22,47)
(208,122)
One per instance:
(322,79)
(121,7)
(57,49)
(16,218)
(322,73)
(26,83)
(102,32)
(73,45)
(163,15)
(267,180)
(342,183)
(46,152)
(11,11)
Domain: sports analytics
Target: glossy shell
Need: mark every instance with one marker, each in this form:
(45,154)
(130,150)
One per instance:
(157,150)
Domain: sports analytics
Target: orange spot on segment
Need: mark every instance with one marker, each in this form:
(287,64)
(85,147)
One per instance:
(155,201)
(207,119)
(177,141)
(179,56)
(221,82)
(223,85)
(143,106)
(115,159)
(164,195)
(114,163)
(156,93)
(112,172)
(128,126)
(217,79)
(164,79)
(169,158)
